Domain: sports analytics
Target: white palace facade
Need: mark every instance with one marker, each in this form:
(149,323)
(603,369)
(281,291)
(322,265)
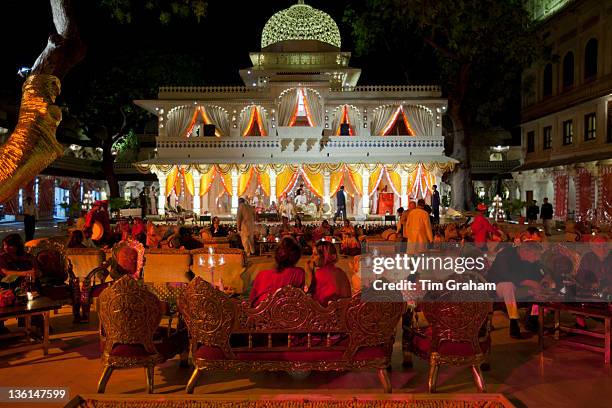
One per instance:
(300,119)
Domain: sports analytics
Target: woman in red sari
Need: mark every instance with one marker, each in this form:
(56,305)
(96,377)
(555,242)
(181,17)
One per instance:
(328,281)
(286,273)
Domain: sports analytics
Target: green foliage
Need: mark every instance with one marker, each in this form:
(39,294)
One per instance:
(127,148)
(481,46)
(127,11)
(117,203)
(514,207)
(102,96)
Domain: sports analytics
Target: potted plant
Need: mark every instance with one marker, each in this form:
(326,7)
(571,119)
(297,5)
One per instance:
(513,207)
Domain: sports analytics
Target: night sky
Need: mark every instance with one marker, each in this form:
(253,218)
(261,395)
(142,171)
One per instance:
(224,37)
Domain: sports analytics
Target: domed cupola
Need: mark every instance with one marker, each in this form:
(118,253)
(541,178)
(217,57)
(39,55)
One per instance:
(300,28)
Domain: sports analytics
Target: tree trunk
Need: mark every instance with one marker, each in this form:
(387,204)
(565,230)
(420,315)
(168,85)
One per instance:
(461,178)
(32,146)
(108,161)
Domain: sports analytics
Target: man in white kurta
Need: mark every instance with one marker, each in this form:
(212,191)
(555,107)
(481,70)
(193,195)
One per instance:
(245,220)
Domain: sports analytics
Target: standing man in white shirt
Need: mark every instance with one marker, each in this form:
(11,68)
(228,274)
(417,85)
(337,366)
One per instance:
(30,213)
(245,220)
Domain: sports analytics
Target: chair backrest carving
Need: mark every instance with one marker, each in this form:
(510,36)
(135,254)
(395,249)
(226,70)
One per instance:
(290,310)
(212,317)
(52,260)
(372,323)
(123,262)
(456,315)
(209,314)
(129,314)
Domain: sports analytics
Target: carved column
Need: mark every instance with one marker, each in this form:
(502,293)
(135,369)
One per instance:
(197,200)
(234,192)
(365,175)
(272,174)
(161,198)
(404,188)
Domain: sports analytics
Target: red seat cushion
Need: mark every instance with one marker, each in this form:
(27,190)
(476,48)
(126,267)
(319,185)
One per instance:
(364,353)
(421,343)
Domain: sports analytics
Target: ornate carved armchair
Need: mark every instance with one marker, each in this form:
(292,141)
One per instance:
(56,277)
(129,315)
(458,333)
(289,331)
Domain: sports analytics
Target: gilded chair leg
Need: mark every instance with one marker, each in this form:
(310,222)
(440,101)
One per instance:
(479,379)
(383,376)
(407,359)
(433,376)
(108,370)
(150,374)
(193,380)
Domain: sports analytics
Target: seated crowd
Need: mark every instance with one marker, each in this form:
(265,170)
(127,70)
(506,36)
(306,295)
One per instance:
(523,267)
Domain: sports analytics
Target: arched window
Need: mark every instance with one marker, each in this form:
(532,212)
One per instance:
(590,59)
(548,80)
(568,70)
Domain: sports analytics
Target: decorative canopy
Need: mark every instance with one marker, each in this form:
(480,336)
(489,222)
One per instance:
(300,22)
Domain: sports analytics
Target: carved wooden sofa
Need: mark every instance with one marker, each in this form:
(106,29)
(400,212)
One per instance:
(289,331)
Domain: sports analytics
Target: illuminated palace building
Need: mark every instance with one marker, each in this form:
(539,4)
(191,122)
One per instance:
(567,111)
(299,121)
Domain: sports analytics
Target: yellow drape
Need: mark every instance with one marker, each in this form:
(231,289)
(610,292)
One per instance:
(314,180)
(207,180)
(263,179)
(335,181)
(395,180)
(226,179)
(374,180)
(244,180)
(171,180)
(188,177)
(285,180)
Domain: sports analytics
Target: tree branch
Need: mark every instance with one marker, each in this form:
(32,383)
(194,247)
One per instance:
(33,145)
(443,50)
(64,48)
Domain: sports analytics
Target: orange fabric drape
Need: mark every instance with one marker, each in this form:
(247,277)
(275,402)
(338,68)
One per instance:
(400,111)
(171,180)
(307,108)
(263,179)
(207,180)
(395,181)
(226,179)
(255,118)
(345,119)
(285,180)
(314,181)
(375,178)
(188,178)
(335,181)
(356,179)
(420,182)
(194,119)
(244,180)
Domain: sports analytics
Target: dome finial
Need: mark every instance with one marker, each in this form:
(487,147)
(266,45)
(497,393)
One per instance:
(300,1)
